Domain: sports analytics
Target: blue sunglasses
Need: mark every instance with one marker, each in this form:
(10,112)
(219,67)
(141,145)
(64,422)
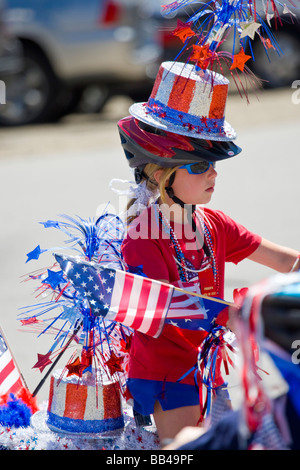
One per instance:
(197,168)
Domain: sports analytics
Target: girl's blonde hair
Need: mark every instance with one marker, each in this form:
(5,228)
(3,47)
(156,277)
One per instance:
(151,184)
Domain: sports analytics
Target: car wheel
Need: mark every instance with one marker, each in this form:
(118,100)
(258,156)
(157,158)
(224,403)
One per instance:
(279,70)
(32,94)
(93,98)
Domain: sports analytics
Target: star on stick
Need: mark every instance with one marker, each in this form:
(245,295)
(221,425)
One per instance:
(30,321)
(202,55)
(114,363)
(183,31)
(249,29)
(54,278)
(43,361)
(239,60)
(35,254)
(75,368)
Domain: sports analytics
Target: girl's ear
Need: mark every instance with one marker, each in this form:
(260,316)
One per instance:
(157,175)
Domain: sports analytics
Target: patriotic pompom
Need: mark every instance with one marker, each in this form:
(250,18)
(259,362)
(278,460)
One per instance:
(214,353)
(17,409)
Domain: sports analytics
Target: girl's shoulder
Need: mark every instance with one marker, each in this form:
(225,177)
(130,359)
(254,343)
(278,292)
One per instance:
(214,216)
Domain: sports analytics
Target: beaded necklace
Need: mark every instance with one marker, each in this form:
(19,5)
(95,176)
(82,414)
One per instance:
(179,256)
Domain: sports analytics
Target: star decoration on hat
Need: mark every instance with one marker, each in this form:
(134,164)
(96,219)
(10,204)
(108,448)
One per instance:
(267,43)
(239,60)
(249,29)
(202,55)
(43,361)
(183,31)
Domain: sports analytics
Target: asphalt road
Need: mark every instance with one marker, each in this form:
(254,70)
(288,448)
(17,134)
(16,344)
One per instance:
(65,168)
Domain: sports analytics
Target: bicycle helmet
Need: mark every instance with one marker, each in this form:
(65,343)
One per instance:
(144,144)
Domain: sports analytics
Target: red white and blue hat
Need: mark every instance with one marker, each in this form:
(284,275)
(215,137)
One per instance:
(187,102)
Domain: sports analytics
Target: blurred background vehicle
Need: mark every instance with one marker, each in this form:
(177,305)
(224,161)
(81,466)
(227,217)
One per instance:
(70,45)
(79,54)
(280,70)
(11,57)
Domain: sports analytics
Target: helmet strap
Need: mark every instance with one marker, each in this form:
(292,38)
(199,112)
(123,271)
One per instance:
(190,213)
(139,175)
(170,193)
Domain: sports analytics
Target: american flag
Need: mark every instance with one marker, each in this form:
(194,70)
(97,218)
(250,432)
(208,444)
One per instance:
(10,378)
(138,302)
(190,312)
(135,301)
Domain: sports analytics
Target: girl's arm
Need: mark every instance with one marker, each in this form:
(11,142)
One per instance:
(280,258)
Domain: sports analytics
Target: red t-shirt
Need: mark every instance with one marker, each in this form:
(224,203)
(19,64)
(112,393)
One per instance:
(148,246)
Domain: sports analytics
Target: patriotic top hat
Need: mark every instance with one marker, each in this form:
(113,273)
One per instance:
(187,102)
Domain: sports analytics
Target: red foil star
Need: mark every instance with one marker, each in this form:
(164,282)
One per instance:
(75,368)
(114,363)
(239,60)
(267,43)
(29,321)
(43,361)
(125,344)
(202,55)
(183,31)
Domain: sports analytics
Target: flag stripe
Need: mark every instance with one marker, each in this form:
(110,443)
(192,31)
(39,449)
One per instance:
(134,316)
(184,305)
(148,317)
(125,298)
(160,312)
(75,401)
(17,385)
(137,320)
(116,294)
(10,380)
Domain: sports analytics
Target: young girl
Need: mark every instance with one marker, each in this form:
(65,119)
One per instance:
(174,240)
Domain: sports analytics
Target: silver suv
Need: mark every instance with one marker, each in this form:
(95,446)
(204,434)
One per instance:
(11,58)
(70,44)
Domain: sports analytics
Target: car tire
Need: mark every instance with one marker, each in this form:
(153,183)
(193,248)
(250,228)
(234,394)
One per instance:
(280,70)
(34,95)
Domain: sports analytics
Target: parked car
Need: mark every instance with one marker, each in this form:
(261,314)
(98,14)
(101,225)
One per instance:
(279,69)
(69,45)
(11,58)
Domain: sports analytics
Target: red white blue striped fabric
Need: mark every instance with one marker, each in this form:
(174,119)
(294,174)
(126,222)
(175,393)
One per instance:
(184,305)
(10,378)
(135,301)
(138,302)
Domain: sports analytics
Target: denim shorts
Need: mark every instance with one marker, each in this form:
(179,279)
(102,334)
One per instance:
(170,395)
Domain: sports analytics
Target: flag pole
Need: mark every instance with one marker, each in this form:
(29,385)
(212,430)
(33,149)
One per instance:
(213,299)
(41,383)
